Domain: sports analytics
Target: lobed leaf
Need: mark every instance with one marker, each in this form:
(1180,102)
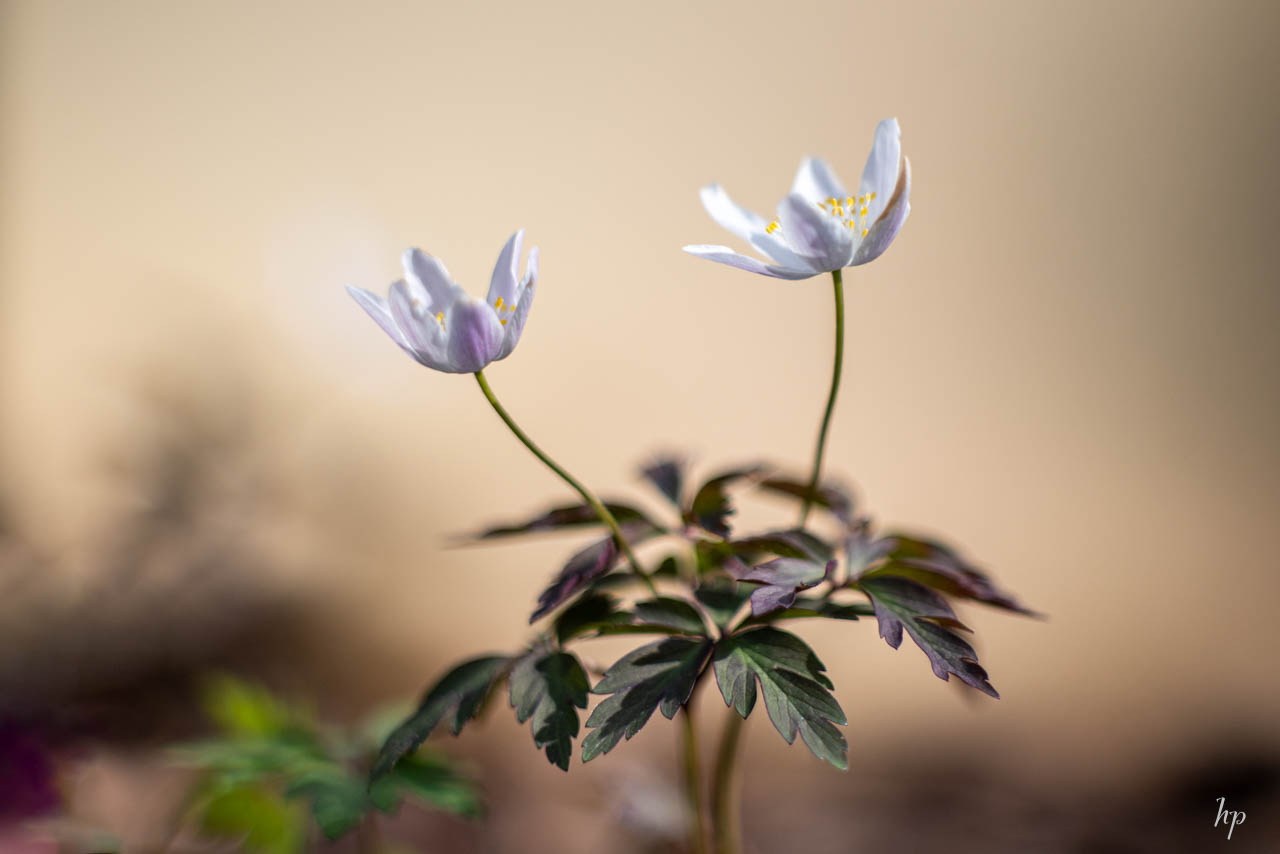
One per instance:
(583,568)
(935,565)
(430,782)
(660,675)
(671,612)
(459,695)
(722,601)
(592,611)
(830,497)
(904,604)
(667,474)
(795,688)
(710,508)
(791,542)
(782,578)
(547,687)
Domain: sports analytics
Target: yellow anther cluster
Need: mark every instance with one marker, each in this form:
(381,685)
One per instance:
(857,208)
(498,307)
(772,227)
(440,318)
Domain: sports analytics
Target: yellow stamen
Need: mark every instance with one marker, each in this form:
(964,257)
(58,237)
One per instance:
(872,196)
(864,232)
(862,212)
(503,321)
(498,304)
(440,317)
(772,227)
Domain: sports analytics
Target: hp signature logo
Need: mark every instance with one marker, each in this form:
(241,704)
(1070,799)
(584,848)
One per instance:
(1228,818)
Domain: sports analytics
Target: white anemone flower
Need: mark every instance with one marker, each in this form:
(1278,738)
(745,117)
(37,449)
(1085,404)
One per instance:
(438,323)
(820,227)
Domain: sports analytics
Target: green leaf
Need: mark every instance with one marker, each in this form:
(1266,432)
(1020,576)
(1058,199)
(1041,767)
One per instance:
(430,782)
(240,708)
(710,508)
(722,600)
(935,565)
(901,603)
(591,612)
(815,606)
(338,800)
(563,518)
(260,820)
(659,675)
(460,694)
(549,687)
(671,612)
(794,686)
(830,497)
(791,542)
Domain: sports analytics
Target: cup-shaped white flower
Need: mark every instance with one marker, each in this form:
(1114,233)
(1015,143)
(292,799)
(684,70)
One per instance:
(442,326)
(820,227)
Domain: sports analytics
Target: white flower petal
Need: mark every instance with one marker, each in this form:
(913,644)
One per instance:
(880,174)
(747,225)
(422,331)
(474,335)
(427,273)
(886,228)
(821,239)
(725,255)
(816,181)
(515,323)
(502,284)
(378,309)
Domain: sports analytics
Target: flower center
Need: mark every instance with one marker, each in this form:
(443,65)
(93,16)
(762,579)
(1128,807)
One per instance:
(502,308)
(851,211)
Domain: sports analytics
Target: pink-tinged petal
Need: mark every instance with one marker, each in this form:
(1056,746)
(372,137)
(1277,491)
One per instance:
(824,241)
(817,182)
(725,255)
(426,273)
(422,331)
(881,172)
(502,284)
(890,223)
(474,336)
(515,323)
(378,309)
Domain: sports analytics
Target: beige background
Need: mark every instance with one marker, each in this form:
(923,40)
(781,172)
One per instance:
(1067,362)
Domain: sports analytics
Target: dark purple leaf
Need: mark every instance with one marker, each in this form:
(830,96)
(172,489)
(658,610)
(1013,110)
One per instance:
(782,578)
(903,604)
(710,508)
(667,474)
(830,497)
(934,565)
(792,542)
(562,518)
(583,568)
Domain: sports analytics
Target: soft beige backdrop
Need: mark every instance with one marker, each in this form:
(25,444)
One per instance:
(1067,362)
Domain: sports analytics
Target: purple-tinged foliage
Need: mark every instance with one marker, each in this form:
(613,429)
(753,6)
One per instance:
(672,613)
(934,565)
(831,497)
(27,784)
(781,579)
(589,613)
(792,542)
(660,675)
(795,686)
(547,687)
(903,604)
(460,695)
(667,474)
(563,518)
(583,568)
(710,508)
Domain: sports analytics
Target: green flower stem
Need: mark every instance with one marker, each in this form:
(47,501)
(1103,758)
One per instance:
(603,512)
(838,285)
(692,780)
(725,818)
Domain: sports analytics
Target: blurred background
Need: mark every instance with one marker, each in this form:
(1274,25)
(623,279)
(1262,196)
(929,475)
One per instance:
(211,460)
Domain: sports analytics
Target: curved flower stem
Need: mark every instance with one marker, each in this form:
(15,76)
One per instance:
(838,285)
(724,787)
(603,512)
(692,780)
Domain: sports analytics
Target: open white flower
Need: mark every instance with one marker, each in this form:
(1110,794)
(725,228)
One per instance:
(820,227)
(438,323)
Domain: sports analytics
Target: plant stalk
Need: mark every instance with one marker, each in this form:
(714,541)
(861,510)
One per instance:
(725,809)
(603,512)
(696,818)
(838,285)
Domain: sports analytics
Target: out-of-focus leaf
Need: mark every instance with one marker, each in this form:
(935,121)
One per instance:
(659,675)
(583,568)
(589,613)
(261,820)
(673,613)
(710,508)
(586,567)
(901,603)
(795,688)
(338,800)
(793,542)
(782,578)
(667,474)
(829,496)
(240,708)
(549,687)
(813,606)
(460,695)
(668,568)
(430,782)
(935,565)
(722,600)
(562,518)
